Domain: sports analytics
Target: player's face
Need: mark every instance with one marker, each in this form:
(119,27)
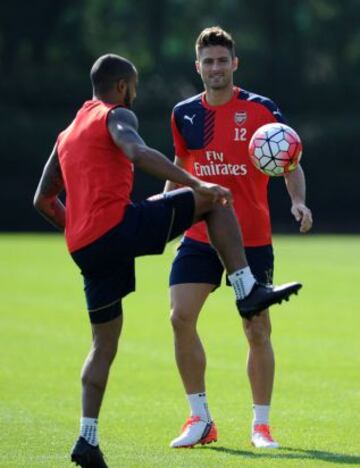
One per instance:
(216,67)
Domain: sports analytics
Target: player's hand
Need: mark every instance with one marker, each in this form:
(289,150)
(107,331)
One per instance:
(218,193)
(302,214)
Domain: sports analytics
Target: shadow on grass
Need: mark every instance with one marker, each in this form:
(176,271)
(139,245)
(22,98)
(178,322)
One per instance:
(293,454)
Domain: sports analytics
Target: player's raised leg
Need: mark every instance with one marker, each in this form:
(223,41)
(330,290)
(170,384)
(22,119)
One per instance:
(186,303)
(225,235)
(95,373)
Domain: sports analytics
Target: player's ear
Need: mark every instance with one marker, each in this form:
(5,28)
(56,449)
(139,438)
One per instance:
(235,63)
(197,66)
(121,86)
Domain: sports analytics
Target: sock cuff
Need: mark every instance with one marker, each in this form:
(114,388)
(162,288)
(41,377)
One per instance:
(90,421)
(260,414)
(239,273)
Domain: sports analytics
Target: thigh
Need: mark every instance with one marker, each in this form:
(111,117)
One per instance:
(182,202)
(144,230)
(187,299)
(259,327)
(106,280)
(149,225)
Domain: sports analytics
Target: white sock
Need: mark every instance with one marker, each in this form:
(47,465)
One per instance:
(242,281)
(89,430)
(199,406)
(260,414)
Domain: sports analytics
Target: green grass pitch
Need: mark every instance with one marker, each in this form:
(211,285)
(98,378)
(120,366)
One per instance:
(44,337)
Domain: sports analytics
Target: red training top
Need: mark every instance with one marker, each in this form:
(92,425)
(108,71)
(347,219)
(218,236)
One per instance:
(98,177)
(213,143)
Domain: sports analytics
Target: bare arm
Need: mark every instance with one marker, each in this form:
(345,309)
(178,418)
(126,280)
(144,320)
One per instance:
(46,199)
(122,125)
(169,185)
(296,187)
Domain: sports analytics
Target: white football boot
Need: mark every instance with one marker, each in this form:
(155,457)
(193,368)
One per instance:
(261,437)
(195,431)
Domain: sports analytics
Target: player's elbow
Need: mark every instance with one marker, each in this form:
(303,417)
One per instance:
(297,171)
(37,201)
(40,203)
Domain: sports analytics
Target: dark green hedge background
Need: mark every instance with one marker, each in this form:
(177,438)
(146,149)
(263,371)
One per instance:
(305,55)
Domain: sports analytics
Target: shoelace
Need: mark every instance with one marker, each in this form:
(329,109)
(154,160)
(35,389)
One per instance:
(190,422)
(265,431)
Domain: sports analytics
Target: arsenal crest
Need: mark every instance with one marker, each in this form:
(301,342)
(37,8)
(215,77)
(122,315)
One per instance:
(240,117)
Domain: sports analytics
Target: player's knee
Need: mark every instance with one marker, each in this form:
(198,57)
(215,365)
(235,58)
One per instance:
(205,205)
(105,351)
(181,319)
(202,204)
(109,352)
(258,332)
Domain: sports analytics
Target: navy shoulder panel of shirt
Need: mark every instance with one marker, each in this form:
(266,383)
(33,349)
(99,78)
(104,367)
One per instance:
(195,122)
(264,101)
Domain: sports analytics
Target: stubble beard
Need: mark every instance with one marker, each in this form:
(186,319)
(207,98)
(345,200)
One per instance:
(218,86)
(127,99)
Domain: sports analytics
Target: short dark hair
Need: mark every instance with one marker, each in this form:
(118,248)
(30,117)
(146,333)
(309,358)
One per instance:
(109,69)
(215,36)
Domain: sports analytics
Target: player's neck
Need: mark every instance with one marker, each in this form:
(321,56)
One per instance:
(108,99)
(218,97)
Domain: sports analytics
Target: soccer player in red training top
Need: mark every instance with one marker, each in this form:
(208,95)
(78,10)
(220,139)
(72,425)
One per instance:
(211,132)
(93,161)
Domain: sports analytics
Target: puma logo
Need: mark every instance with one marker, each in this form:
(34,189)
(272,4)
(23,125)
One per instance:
(191,119)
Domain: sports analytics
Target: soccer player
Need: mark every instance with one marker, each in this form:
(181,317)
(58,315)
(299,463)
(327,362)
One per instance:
(92,160)
(211,132)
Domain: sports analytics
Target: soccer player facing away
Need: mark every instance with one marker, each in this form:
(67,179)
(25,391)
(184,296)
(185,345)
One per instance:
(92,160)
(211,132)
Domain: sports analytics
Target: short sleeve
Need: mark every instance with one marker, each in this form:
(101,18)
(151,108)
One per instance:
(274,110)
(179,143)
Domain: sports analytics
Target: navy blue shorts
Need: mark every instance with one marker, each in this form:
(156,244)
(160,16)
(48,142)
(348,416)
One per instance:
(107,264)
(198,262)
